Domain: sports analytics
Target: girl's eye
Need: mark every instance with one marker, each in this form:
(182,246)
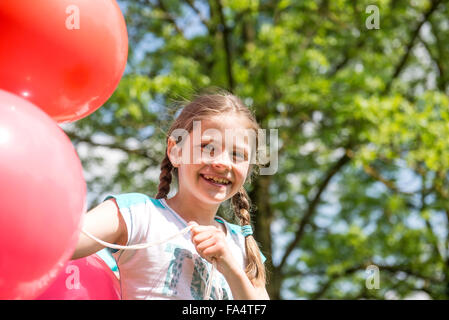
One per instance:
(208,146)
(239,156)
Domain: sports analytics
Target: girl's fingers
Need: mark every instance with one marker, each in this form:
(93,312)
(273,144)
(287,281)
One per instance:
(207,240)
(206,244)
(192,223)
(201,233)
(214,250)
(198,228)
(200,237)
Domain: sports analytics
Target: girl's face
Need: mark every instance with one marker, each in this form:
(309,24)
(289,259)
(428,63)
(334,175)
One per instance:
(214,160)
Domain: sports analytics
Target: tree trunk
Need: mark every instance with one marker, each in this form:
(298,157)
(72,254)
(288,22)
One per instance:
(262,219)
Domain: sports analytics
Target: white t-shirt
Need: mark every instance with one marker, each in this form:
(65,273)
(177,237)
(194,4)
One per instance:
(174,269)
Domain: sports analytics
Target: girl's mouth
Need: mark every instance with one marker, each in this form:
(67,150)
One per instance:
(215,181)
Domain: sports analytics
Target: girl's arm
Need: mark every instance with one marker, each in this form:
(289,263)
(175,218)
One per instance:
(242,288)
(106,223)
(211,244)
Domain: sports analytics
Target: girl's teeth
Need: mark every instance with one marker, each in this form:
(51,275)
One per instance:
(222,181)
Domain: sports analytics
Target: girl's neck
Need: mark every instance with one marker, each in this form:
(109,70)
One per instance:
(191,209)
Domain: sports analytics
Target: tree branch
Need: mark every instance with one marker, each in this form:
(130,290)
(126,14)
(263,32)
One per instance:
(408,49)
(200,15)
(169,16)
(440,50)
(348,53)
(139,152)
(311,208)
(440,81)
(437,58)
(423,195)
(347,57)
(227,46)
(407,270)
(335,277)
(317,295)
(362,266)
(388,183)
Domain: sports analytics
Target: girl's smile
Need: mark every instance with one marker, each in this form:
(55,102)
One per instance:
(216,180)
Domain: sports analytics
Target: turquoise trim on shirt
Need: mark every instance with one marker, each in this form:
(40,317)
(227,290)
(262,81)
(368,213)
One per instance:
(127,200)
(105,255)
(173,213)
(236,229)
(157,203)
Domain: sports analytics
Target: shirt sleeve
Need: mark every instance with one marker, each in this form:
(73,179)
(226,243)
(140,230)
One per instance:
(134,210)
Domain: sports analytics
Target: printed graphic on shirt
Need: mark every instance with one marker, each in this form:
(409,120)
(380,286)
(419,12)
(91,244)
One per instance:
(175,269)
(200,275)
(198,284)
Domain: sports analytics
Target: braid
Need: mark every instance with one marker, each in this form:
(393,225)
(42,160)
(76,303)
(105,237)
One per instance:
(241,204)
(165,178)
(255,270)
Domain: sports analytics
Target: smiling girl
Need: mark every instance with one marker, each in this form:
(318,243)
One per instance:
(209,169)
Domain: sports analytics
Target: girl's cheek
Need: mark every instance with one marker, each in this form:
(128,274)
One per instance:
(202,160)
(241,172)
(243,168)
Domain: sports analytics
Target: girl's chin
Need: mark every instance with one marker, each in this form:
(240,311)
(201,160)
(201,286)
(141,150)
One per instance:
(211,197)
(214,193)
(214,198)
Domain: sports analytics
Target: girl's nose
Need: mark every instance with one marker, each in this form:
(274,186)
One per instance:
(222,161)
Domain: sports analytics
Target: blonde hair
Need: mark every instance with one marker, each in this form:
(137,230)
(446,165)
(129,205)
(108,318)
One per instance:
(204,107)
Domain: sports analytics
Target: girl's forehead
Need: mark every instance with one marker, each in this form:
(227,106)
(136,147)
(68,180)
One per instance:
(227,120)
(229,127)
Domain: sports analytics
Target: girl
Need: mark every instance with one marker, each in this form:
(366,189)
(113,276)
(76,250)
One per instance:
(208,171)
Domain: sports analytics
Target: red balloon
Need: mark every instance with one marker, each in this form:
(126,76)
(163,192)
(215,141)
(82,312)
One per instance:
(88,278)
(65,56)
(42,198)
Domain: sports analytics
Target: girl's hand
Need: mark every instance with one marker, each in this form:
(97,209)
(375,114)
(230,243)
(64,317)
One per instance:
(210,243)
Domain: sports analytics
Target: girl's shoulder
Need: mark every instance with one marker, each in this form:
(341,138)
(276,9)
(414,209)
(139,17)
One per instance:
(128,200)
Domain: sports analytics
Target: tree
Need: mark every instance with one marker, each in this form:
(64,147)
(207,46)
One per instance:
(363,128)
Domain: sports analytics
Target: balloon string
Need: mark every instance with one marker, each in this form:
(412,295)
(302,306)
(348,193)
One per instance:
(210,280)
(136,246)
(156,243)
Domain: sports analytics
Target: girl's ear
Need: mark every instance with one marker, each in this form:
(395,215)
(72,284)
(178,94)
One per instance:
(173,152)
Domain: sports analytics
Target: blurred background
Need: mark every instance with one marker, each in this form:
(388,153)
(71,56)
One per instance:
(359,205)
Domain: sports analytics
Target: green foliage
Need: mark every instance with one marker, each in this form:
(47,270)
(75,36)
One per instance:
(367,109)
